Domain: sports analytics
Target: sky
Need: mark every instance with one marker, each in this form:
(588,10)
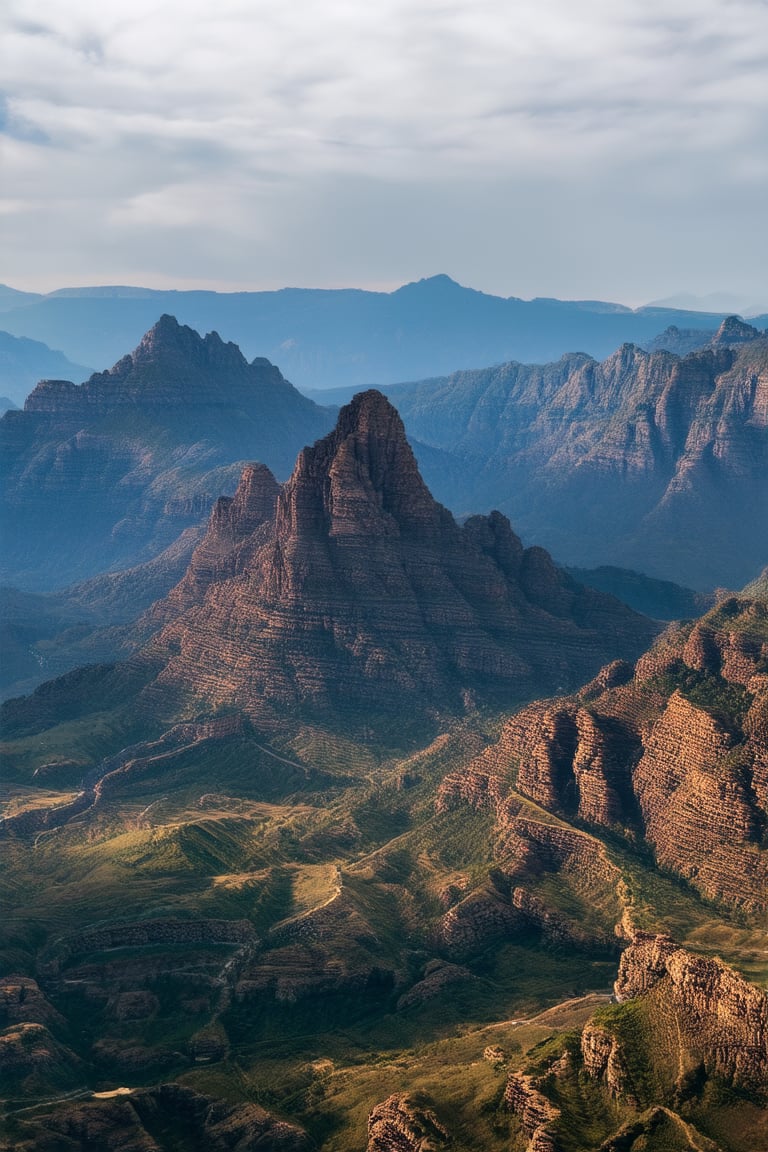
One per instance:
(610,149)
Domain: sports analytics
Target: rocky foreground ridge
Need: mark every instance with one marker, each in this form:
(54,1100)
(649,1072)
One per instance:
(675,751)
(351,586)
(679,1023)
(107,473)
(642,460)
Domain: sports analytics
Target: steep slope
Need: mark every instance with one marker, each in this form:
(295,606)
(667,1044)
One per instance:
(108,473)
(352,587)
(675,752)
(640,461)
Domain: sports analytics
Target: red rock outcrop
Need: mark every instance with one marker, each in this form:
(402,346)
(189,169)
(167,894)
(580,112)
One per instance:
(697,805)
(720,1019)
(363,591)
(535,1112)
(403,1124)
(679,753)
(604,1058)
(477,921)
(22,1002)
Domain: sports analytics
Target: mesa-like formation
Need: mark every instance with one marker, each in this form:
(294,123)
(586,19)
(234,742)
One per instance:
(352,587)
(108,473)
(676,751)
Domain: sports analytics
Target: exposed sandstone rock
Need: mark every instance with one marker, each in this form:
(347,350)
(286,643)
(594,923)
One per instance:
(679,753)
(31,1060)
(642,460)
(363,592)
(477,921)
(21,1001)
(142,933)
(721,1019)
(437,977)
(604,1058)
(535,1112)
(403,1124)
(696,811)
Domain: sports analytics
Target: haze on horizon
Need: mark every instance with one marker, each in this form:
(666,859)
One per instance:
(617,151)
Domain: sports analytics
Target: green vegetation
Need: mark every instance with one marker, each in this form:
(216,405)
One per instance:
(727,702)
(333,852)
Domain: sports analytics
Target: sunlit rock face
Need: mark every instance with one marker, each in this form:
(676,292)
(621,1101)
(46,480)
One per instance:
(675,750)
(351,586)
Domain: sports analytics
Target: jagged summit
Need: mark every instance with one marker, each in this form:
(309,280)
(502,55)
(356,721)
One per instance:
(168,335)
(363,477)
(106,474)
(172,362)
(734,330)
(362,592)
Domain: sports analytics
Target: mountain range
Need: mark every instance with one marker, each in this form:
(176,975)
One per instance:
(641,461)
(293,874)
(353,824)
(636,462)
(329,338)
(23,362)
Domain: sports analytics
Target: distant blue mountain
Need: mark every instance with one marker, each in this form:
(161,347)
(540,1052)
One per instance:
(334,338)
(23,362)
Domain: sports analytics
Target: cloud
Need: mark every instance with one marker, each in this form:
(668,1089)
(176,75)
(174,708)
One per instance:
(133,118)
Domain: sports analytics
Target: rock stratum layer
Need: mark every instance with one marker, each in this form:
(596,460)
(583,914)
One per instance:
(351,586)
(107,473)
(718,1018)
(675,750)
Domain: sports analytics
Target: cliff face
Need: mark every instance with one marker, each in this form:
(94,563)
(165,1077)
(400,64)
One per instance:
(536,1113)
(721,1019)
(641,460)
(400,1124)
(109,472)
(676,752)
(351,586)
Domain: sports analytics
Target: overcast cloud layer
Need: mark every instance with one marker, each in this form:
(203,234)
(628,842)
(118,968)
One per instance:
(582,148)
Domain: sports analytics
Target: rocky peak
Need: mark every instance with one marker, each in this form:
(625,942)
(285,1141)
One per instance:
(169,340)
(362,479)
(734,330)
(130,448)
(254,501)
(363,590)
(172,365)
